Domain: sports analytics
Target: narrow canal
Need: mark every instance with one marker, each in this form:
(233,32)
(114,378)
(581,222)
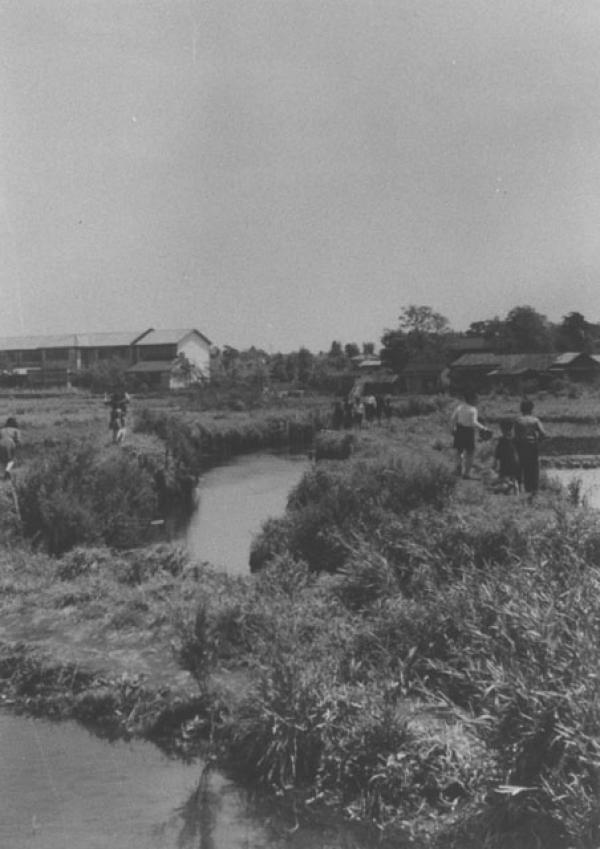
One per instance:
(64,788)
(233,502)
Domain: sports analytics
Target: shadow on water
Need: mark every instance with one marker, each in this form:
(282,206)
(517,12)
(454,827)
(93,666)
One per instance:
(198,816)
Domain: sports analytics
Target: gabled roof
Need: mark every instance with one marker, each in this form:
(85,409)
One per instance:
(169,337)
(570,357)
(478,360)
(504,364)
(515,364)
(120,338)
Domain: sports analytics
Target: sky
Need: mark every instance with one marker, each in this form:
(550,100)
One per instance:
(283,173)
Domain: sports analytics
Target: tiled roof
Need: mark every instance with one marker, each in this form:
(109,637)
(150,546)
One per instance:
(478,360)
(519,363)
(506,363)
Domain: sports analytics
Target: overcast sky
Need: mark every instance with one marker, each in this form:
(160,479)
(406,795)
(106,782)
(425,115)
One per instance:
(289,172)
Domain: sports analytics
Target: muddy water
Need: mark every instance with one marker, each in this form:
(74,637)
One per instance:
(62,788)
(233,502)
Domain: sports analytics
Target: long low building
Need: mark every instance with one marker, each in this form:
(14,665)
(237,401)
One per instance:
(166,358)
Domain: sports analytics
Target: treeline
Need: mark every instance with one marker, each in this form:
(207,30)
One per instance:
(421,334)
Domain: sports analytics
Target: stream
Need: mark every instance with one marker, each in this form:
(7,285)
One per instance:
(233,502)
(63,788)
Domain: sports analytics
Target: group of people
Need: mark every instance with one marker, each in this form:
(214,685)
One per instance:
(516,453)
(358,410)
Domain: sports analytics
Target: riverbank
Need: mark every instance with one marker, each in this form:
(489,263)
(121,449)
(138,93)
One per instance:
(413,651)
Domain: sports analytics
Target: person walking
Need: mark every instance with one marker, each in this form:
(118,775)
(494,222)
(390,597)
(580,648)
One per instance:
(465,423)
(528,434)
(9,441)
(506,460)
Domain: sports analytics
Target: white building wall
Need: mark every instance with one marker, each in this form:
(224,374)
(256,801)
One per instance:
(197,351)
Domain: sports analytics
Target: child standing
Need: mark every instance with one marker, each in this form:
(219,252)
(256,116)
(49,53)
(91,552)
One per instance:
(528,433)
(464,423)
(506,460)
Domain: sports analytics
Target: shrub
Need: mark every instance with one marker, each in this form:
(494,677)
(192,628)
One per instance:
(74,496)
(330,445)
(330,506)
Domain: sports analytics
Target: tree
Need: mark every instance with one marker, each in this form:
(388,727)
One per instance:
(351,349)
(421,335)
(490,329)
(368,349)
(423,320)
(526,330)
(305,365)
(395,352)
(574,333)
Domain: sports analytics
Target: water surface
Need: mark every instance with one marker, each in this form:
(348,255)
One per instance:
(63,788)
(590,482)
(233,502)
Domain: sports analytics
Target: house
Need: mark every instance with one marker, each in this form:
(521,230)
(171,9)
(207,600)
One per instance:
(516,370)
(180,356)
(511,371)
(577,366)
(457,345)
(381,383)
(366,362)
(39,360)
(471,370)
(171,359)
(93,348)
(423,378)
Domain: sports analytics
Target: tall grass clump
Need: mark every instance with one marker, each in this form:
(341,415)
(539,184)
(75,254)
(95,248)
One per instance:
(194,443)
(331,505)
(76,496)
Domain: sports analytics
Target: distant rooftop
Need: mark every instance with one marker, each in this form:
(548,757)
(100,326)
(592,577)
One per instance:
(169,337)
(31,343)
(113,339)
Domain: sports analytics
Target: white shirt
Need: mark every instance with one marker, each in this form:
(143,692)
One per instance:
(465,415)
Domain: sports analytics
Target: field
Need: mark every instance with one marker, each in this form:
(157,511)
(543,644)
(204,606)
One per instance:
(411,650)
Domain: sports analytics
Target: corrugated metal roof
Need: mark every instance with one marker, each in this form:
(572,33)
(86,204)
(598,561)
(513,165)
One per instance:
(31,343)
(169,337)
(114,339)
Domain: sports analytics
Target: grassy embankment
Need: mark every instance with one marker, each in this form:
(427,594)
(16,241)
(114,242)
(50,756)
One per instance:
(414,650)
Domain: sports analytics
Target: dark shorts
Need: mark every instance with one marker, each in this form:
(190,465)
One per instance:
(464,438)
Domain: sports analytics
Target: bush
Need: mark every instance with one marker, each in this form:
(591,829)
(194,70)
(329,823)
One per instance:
(75,496)
(330,507)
